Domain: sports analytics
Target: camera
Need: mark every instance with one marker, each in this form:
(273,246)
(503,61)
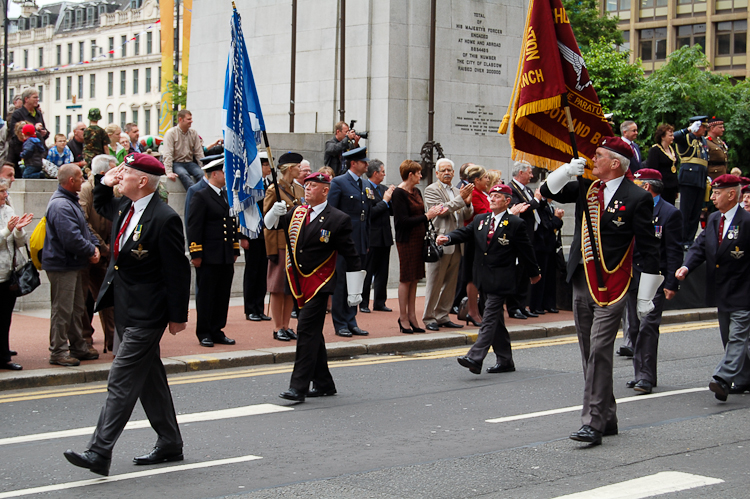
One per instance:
(361,134)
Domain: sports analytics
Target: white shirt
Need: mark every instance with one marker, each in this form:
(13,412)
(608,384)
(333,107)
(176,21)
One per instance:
(449,189)
(315,210)
(610,187)
(216,189)
(728,217)
(138,208)
(496,220)
(537,219)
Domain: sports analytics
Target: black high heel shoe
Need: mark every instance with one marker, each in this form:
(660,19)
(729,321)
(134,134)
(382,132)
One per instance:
(403,329)
(416,329)
(470,319)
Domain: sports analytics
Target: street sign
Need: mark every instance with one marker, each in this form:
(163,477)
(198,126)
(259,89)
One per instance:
(78,106)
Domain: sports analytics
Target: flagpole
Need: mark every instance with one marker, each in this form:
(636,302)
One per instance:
(582,194)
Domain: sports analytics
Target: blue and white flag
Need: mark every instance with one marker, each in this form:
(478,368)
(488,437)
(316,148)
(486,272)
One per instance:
(243,123)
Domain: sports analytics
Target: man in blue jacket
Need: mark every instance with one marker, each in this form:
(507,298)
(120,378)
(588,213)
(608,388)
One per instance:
(69,247)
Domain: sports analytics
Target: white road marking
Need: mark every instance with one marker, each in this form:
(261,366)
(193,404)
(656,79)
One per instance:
(248,410)
(126,476)
(647,486)
(636,398)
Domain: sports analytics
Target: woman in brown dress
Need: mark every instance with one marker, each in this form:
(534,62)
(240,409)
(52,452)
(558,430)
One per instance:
(281,300)
(663,157)
(411,223)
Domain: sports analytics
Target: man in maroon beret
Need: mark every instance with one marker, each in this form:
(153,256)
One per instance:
(148,283)
(620,211)
(725,245)
(499,239)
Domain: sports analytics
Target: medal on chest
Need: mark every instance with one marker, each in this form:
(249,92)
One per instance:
(325,235)
(737,253)
(733,232)
(137,232)
(503,240)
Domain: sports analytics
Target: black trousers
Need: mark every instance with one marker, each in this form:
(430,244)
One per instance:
(520,299)
(137,372)
(544,292)
(691,204)
(311,359)
(7,302)
(212,300)
(376,263)
(254,279)
(493,333)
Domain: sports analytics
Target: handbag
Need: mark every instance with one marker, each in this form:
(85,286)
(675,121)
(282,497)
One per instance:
(431,252)
(24,279)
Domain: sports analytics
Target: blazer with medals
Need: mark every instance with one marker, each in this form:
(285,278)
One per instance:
(149,282)
(458,210)
(727,265)
(345,195)
(495,264)
(381,235)
(330,231)
(212,233)
(668,224)
(629,214)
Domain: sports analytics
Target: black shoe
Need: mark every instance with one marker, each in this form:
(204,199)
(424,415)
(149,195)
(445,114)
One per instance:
(225,341)
(364,309)
(206,342)
(454,310)
(159,455)
(539,312)
(451,325)
(290,332)
(587,434)
(472,366)
(11,366)
(403,329)
(89,459)
(432,326)
(552,310)
(281,335)
(738,389)
(356,331)
(344,332)
(630,384)
(644,386)
(382,309)
(12,353)
(501,368)
(294,314)
(264,317)
(720,388)
(292,394)
(321,393)
(253,317)
(516,314)
(528,313)
(475,323)
(624,351)
(610,430)
(415,328)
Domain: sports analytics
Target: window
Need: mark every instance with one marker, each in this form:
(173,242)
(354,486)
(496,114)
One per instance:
(653,44)
(57,125)
(45,20)
(25,58)
(136,4)
(80,86)
(92,86)
(137,45)
(69,81)
(70,53)
(80,52)
(11,59)
(689,8)
(67,20)
(110,117)
(40,89)
(58,55)
(41,57)
(111,47)
(33,22)
(90,15)
(158,72)
(731,40)
(149,42)
(110,84)
(148,81)
(135,81)
(12,93)
(135,117)
(124,47)
(616,5)
(691,35)
(93,49)
(79,18)
(147,121)
(102,10)
(123,120)
(68,124)
(79,118)
(122,82)
(57,89)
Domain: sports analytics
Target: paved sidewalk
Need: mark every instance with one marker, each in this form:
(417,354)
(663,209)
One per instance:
(29,335)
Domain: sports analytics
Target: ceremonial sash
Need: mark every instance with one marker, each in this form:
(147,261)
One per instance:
(617,280)
(309,284)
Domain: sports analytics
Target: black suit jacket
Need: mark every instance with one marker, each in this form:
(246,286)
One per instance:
(636,160)
(727,265)
(345,195)
(212,233)
(494,269)
(149,282)
(525,195)
(333,151)
(633,215)
(545,238)
(381,235)
(668,224)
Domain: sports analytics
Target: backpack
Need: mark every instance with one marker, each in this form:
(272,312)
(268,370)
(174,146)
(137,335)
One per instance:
(36,242)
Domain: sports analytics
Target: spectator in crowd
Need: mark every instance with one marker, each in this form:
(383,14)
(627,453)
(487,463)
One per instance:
(342,141)
(15,146)
(8,172)
(30,113)
(460,284)
(544,293)
(327,170)
(693,151)
(124,140)
(131,129)
(737,172)
(462,175)
(629,132)
(4,142)
(381,238)
(256,264)
(114,147)
(15,103)
(745,197)
(69,247)
(304,171)
(76,144)
(181,148)
(443,274)
(93,277)
(495,177)
(411,221)
(95,139)
(663,158)
(12,238)
(32,153)
(718,151)
(60,154)
(281,300)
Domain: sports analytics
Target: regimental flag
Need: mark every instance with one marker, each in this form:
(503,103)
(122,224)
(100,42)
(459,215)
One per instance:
(551,65)
(243,124)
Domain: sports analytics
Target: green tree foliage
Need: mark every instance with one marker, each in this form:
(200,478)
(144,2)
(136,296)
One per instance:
(589,25)
(736,125)
(611,73)
(179,93)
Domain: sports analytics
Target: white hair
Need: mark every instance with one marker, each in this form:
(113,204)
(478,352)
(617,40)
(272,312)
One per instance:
(519,166)
(624,162)
(444,160)
(100,164)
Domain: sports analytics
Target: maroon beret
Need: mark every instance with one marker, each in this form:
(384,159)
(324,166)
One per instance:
(616,144)
(744,180)
(746,189)
(145,163)
(647,174)
(726,180)
(501,188)
(319,177)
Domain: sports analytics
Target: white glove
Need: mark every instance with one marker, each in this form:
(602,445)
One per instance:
(695,126)
(646,290)
(354,283)
(558,178)
(277,211)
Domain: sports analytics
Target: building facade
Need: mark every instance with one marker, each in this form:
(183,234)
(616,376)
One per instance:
(99,53)
(653,29)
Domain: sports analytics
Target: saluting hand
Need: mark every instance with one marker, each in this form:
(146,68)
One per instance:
(113,176)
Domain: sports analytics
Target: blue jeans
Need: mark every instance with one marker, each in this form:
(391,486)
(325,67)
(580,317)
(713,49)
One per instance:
(189,173)
(33,172)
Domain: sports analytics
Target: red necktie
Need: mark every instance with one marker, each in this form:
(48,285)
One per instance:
(308,217)
(635,153)
(600,194)
(122,231)
(721,229)
(492,230)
